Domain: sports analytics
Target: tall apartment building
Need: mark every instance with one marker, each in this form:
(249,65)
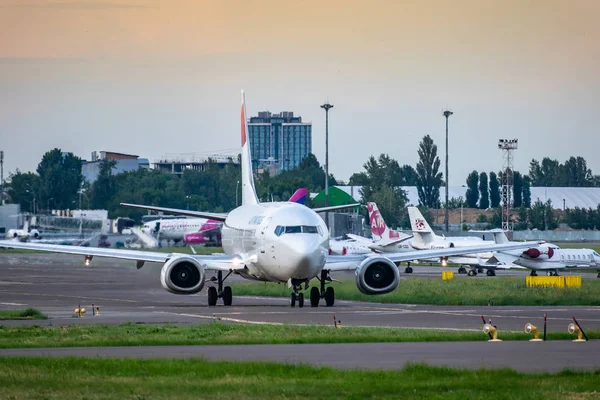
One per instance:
(278,141)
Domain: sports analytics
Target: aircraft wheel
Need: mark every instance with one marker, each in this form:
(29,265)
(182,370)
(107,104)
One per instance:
(490,272)
(533,273)
(462,270)
(598,275)
(555,273)
(227,296)
(549,273)
(293,300)
(472,272)
(408,270)
(329,296)
(480,270)
(212,296)
(300,300)
(315,296)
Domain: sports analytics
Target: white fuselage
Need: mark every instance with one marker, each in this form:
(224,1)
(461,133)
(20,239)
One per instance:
(175,229)
(349,246)
(559,259)
(279,241)
(439,242)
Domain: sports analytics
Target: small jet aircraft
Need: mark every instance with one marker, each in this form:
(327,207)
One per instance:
(23,234)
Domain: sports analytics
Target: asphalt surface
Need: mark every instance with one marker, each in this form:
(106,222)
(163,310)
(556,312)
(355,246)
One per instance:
(57,284)
(520,356)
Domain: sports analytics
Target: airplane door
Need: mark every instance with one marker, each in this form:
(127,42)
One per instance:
(263,233)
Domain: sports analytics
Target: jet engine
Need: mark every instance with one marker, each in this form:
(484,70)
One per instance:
(377,275)
(539,252)
(182,275)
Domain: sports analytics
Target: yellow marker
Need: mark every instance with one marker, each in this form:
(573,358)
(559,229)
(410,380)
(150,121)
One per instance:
(487,329)
(530,328)
(572,328)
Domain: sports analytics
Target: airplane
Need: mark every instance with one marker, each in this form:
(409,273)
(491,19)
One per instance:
(425,238)
(23,234)
(348,246)
(548,257)
(196,230)
(280,242)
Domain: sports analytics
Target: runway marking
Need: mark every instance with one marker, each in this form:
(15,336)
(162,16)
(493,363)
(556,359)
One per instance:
(250,322)
(13,304)
(72,297)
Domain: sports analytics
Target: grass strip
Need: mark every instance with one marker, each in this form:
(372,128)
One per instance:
(218,333)
(78,378)
(500,291)
(29,313)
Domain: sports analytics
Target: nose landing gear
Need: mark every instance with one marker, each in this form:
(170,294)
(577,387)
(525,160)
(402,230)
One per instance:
(224,293)
(324,293)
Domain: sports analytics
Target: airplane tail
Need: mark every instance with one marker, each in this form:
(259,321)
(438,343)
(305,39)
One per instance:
(299,196)
(378,227)
(248,190)
(499,236)
(421,230)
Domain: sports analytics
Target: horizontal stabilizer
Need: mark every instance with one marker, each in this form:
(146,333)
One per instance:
(189,213)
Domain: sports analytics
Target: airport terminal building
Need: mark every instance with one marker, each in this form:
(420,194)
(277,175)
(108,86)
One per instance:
(279,141)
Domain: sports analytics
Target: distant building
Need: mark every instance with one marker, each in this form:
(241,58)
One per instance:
(278,141)
(124,162)
(178,164)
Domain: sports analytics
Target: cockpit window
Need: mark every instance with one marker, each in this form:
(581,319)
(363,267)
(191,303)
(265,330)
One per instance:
(280,230)
(293,229)
(309,229)
(596,254)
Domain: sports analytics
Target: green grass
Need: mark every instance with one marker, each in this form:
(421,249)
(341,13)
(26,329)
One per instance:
(29,313)
(500,291)
(221,333)
(19,251)
(84,378)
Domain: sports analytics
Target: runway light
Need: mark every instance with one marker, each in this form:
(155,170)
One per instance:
(530,328)
(487,329)
(572,328)
(88,260)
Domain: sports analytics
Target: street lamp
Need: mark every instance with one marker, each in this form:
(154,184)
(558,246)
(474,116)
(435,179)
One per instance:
(327,107)
(447,114)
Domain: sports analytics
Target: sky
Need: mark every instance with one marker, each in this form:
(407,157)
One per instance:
(162,78)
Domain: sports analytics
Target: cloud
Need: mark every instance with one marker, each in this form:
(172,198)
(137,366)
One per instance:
(78,5)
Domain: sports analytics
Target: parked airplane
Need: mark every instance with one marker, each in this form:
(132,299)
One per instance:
(547,257)
(23,234)
(275,242)
(425,238)
(342,247)
(196,230)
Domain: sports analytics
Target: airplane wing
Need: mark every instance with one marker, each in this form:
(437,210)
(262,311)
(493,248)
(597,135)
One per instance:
(360,239)
(350,262)
(189,213)
(333,208)
(387,242)
(211,262)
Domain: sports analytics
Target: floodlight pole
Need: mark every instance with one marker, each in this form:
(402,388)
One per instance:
(327,107)
(447,114)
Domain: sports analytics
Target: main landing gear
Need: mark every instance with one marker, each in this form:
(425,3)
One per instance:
(408,269)
(472,272)
(462,270)
(533,273)
(224,293)
(490,272)
(552,273)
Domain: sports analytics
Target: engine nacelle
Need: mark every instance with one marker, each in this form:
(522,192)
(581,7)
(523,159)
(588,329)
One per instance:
(182,275)
(377,275)
(541,252)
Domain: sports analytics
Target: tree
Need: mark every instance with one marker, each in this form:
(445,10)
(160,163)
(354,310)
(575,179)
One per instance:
(408,176)
(472,195)
(576,173)
(382,185)
(517,189)
(358,179)
(104,188)
(60,178)
(494,190)
(23,189)
(526,191)
(429,179)
(484,199)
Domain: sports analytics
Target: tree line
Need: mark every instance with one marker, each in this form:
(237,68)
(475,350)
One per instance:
(59,184)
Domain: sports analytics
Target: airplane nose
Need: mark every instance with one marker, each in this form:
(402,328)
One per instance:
(305,256)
